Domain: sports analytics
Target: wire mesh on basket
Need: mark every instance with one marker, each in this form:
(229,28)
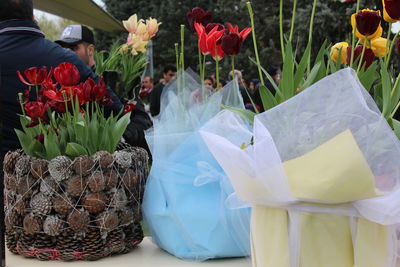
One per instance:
(82,209)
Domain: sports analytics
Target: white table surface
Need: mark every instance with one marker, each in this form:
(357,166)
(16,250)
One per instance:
(146,255)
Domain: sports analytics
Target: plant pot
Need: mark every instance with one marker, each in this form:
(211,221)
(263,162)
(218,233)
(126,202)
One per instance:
(82,209)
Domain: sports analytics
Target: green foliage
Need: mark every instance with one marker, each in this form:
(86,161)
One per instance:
(52,28)
(130,67)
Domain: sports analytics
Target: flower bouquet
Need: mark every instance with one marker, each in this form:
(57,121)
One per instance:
(125,63)
(320,165)
(72,192)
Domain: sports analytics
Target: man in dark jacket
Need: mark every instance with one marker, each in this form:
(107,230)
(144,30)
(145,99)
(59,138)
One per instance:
(22,45)
(155,96)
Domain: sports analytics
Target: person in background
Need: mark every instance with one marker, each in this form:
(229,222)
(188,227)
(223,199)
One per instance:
(273,71)
(155,97)
(147,83)
(79,39)
(145,92)
(22,46)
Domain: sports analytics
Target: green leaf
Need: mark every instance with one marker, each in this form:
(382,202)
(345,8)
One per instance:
(395,95)
(287,81)
(386,90)
(396,127)
(51,145)
(312,76)
(119,129)
(75,150)
(302,67)
(369,76)
(267,98)
(25,141)
(244,113)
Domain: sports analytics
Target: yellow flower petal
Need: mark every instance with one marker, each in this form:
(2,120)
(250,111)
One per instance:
(380,47)
(339,50)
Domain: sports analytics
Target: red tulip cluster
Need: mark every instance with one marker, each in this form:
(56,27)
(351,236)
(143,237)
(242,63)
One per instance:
(368,58)
(214,39)
(60,95)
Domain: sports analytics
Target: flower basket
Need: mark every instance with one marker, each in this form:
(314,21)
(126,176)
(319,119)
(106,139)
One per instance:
(322,177)
(82,209)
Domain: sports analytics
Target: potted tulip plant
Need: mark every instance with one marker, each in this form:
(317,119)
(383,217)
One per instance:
(71,193)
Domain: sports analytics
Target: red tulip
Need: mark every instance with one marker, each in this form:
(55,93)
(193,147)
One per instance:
(129,108)
(211,26)
(392,9)
(198,15)
(232,42)
(208,41)
(67,74)
(368,21)
(369,55)
(34,76)
(36,110)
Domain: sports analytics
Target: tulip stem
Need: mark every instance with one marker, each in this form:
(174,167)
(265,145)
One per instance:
(293,20)
(217,73)
(353,40)
(310,33)
(362,55)
(388,44)
(21,103)
(389,55)
(281,29)
(253,33)
(200,64)
(177,56)
(183,46)
(233,74)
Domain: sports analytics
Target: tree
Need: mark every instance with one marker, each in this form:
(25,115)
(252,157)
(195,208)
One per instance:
(52,28)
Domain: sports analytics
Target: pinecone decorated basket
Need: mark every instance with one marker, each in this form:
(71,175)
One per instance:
(82,209)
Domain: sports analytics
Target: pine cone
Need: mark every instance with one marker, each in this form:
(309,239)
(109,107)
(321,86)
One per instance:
(119,199)
(115,242)
(83,165)
(68,240)
(126,216)
(78,221)
(62,204)
(133,235)
(32,224)
(95,202)
(108,221)
(129,179)
(11,219)
(76,186)
(11,241)
(23,166)
(21,205)
(26,185)
(10,182)
(44,241)
(60,168)
(10,159)
(93,245)
(41,204)
(104,159)
(48,186)
(111,179)
(123,159)
(39,168)
(25,244)
(53,226)
(97,182)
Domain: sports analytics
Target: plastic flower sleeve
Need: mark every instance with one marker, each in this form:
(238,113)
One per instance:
(185,199)
(339,162)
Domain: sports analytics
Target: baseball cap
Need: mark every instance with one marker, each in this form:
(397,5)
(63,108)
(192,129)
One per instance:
(74,34)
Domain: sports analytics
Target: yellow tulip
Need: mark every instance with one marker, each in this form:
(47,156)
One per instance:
(380,47)
(367,23)
(141,29)
(132,23)
(137,44)
(339,49)
(152,26)
(124,49)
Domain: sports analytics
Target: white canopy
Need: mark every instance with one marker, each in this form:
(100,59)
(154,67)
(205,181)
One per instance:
(85,12)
